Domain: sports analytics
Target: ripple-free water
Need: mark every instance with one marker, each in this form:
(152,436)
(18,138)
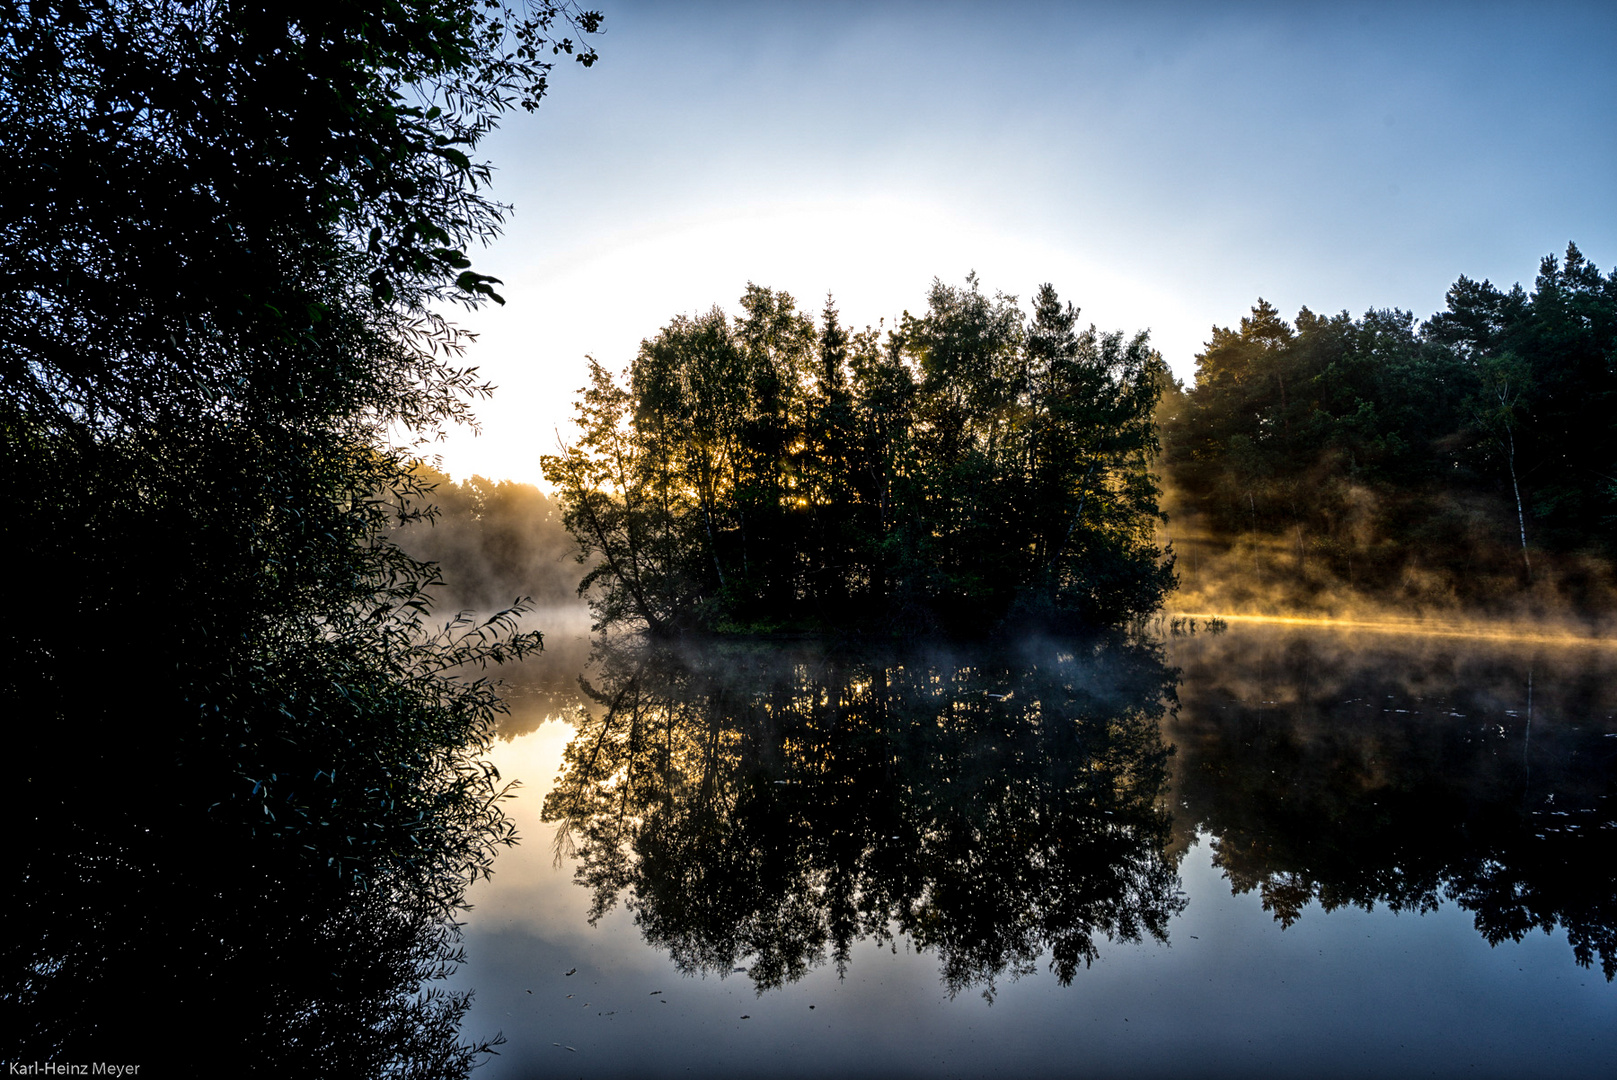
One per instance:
(1342,849)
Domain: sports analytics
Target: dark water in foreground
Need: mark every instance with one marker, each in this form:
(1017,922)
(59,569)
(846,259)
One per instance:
(1265,853)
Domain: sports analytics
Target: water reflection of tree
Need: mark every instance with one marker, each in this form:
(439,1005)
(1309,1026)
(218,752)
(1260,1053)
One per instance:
(778,806)
(1407,775)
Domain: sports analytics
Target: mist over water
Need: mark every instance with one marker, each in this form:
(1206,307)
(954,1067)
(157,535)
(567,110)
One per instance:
(494,543)
(547,690)
(1286,578)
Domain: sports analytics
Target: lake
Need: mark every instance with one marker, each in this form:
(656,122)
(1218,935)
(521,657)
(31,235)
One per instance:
(1272,851)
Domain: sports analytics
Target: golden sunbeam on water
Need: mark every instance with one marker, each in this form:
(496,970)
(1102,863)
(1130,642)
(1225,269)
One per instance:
(1412,627)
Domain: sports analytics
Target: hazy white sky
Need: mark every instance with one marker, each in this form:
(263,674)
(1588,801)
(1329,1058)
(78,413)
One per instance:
(1164,165)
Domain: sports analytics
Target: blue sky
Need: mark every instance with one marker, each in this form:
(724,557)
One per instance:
(1164,165)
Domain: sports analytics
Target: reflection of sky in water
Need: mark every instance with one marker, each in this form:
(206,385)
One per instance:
(1345,992)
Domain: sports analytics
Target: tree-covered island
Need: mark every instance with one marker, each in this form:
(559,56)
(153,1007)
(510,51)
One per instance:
(971,467)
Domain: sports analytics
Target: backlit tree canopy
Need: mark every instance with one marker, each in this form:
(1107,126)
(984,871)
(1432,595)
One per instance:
(971,466)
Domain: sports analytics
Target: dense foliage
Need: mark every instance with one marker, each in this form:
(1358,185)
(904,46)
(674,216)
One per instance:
(971,466)
(1441,457)
(227,233)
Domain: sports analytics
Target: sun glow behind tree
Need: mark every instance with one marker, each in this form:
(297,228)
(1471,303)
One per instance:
(1164,163)
(602,298)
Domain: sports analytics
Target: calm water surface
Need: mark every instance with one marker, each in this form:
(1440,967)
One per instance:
(1262,853)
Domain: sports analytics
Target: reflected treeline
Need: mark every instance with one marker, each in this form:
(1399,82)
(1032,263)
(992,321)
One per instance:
(1407,772)
(773,807)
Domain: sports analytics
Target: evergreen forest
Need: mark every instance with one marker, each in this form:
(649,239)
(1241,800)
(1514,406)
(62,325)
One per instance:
(1468,461)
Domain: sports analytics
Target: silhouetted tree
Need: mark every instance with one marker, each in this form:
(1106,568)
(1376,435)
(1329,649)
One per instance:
(228,232)
(953,474)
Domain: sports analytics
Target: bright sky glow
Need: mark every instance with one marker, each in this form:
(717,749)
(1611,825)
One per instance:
(1162,165)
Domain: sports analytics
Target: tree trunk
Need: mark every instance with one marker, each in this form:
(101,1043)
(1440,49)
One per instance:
(713,546)
(1521,520)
